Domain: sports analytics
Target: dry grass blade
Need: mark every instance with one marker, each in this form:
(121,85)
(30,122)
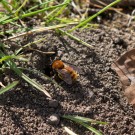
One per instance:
(36,30)
(2,85)
(36,50)
(69,131)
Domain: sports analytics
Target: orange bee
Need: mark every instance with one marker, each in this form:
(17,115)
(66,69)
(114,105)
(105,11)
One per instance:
(65,72)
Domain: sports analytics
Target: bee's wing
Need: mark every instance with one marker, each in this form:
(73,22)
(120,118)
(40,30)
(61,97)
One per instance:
(74,67)
(79,70)
(65,76)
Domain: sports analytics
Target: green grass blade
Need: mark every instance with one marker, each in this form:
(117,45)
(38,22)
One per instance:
(13,66)
(31,13)
(83,23)
(40,73)
(40,29)
(26,78)
(44,3)
(5,17)
(88,120)
(28,45)
(36,72)
(67,2)
(10,86)
(14,31)
(35,84)
(23,4)
(83,121)
(15,4)
(6,5)
(75,38)
(19,57)
(90,128)
(5,58)
(59,10)
(65,20)
(50,14)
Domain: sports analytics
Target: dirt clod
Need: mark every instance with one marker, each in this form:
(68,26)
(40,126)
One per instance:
(53,103)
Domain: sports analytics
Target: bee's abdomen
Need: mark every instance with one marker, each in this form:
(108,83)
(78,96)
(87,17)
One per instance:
(74,75)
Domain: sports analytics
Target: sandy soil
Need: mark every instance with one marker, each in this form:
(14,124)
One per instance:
(97,94)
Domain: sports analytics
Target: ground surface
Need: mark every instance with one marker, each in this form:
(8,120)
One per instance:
(97,94)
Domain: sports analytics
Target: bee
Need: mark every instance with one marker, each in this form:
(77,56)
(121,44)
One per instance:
(65,72)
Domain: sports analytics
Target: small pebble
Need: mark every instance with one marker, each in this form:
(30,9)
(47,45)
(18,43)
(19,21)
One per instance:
(53,119)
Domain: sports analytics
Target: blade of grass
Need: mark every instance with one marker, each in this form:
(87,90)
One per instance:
(23,4)
(44,3)
(19,57)
(5,17)
(90,128)
(40,73)
(36,72)
(13,66)
(50,14)
(15,4)
(88,120)
(81,122)
(60,10)
(26,78)
(31,14)
(84,22)
(40,29)
(10,86)
(35,84)
(75,38)
(83,119)
(66,20)
(14,31)
(6,5)
(28,45)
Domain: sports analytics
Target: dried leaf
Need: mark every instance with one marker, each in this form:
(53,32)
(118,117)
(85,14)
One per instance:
(125,68)
(130,94)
